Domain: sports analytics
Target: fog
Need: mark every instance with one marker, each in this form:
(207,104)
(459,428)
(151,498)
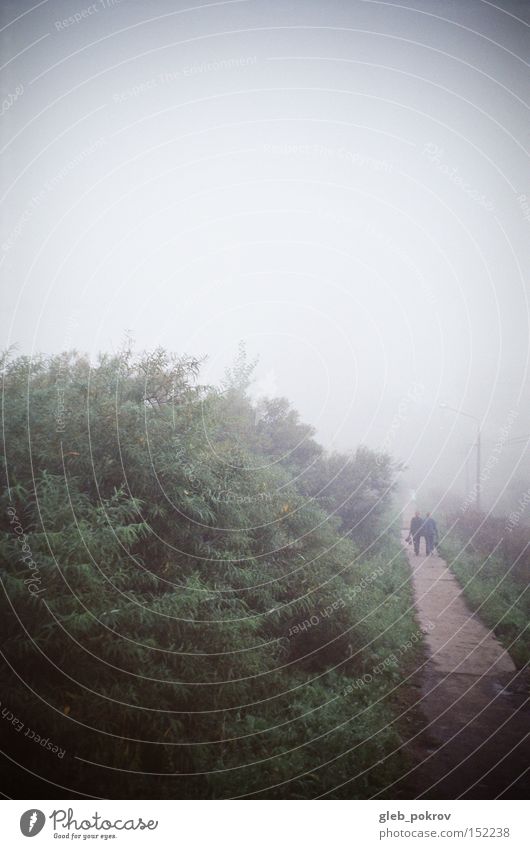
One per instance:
(342,186)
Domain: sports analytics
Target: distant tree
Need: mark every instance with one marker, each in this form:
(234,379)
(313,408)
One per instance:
(238,377)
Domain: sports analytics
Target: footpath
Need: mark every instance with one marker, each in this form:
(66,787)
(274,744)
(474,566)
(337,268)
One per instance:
(476,740)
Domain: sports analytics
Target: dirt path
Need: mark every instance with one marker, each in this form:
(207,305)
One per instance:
(471,696)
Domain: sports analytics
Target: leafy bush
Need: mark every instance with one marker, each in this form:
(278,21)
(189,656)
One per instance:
(190,587)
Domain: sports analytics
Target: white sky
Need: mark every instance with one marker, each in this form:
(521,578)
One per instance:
(338,184)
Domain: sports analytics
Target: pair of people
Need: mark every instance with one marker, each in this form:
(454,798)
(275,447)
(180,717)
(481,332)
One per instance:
(423,528)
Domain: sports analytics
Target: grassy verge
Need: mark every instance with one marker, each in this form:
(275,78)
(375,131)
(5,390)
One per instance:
(490,590)
(383,692)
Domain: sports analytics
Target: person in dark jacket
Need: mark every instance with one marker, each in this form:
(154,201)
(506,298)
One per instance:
(430,532)
(416,531)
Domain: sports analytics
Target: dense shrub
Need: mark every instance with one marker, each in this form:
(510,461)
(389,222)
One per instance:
(189,587)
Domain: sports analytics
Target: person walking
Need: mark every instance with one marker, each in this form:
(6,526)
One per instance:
(430,531)
(415,532)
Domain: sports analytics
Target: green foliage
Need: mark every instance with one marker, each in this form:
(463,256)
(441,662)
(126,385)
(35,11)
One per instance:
(205,585)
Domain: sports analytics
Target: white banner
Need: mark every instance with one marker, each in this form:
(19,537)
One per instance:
(262,824)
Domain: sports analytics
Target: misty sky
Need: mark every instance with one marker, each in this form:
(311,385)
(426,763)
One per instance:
(342,185)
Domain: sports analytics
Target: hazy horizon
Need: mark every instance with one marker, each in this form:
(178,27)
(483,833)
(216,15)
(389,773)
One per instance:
(340,186)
